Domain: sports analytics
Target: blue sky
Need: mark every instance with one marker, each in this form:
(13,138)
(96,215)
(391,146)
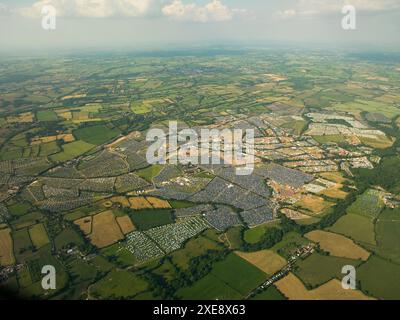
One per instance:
(140,23)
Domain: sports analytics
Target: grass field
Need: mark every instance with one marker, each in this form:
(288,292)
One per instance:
(38,235)
(356,227)
(22,241)
(234,237)
(359,106)
(47,115)
(6,248)
(294,289)
(338,245)
(140,108)
(388,234)
(255,234)
(265,260)
(209,288)
(290,242)
(19,209)
(272,293)
(368,204)
(381,143)
(117,285)
(298,126)
(330,138)
(150,172)
(238,274)
(147,219)
(176,204)
(193,248)
(380,278)
(72,150)
(49,148)
(318,269)
(81,271)
(119,255)
(105,230)
(96,135)
(68,237)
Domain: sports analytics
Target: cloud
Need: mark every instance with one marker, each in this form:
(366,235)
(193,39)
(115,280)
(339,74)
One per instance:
(93,8)
(320,7)
(213,11)
(174,9)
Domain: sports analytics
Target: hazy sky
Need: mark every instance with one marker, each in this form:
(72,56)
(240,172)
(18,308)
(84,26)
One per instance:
(140,23)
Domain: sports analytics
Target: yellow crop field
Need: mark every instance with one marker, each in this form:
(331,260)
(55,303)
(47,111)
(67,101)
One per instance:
(158,203)
(85,224)
(6,248)
(314,204)
(334,176)
(138,203)
(67,115)
(105,230)
(294,289)
(67,137)
(22,117)
(121,200)
(335,192)
(265,260)
(126,225)
(338,245)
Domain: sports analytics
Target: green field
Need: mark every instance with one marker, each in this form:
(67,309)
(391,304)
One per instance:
(81,271)
(147,219)
(255,234)
(290,242)
(317,269)
(47,149)
(209,288)
(39,235)
(356,227)
(150,172)
(117,285)
(193,248)
(233,278)
(380,278)
(388,234)
(330,138)
(46,115)
(68,238)
(22,242)
(19,209)
(119,255)
(272,293)
(368,204)
(96,135)
(238,274)
(72,150)
(368,106)
(297,126)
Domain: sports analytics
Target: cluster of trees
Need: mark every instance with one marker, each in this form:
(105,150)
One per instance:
(270,238)
(198,268)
